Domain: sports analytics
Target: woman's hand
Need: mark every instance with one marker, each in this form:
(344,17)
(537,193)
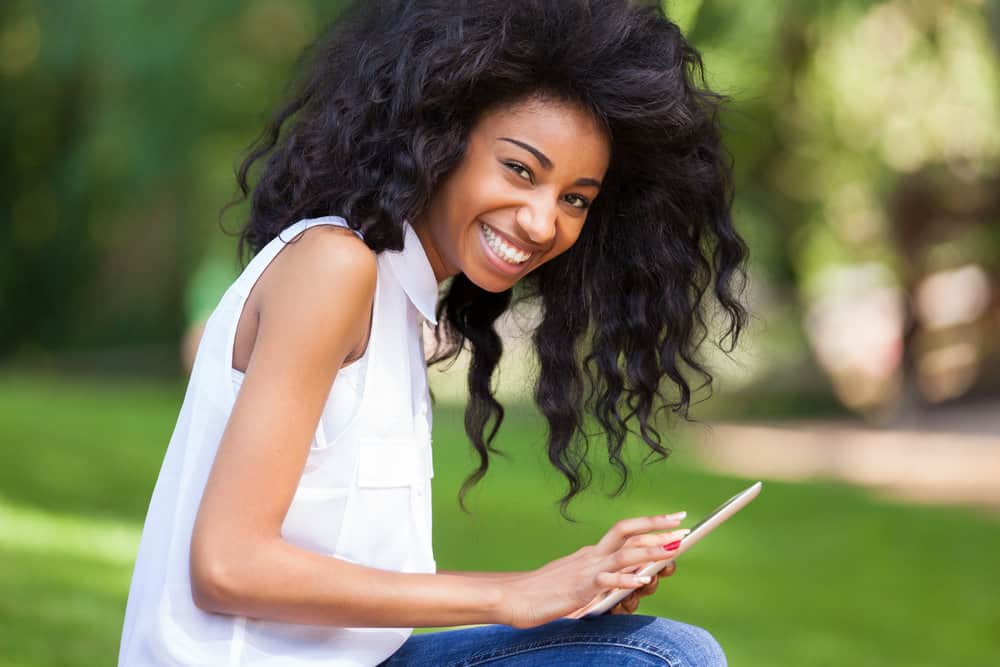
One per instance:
(631,601)
(572,582)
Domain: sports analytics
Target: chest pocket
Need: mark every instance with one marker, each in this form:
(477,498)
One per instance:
(387,514)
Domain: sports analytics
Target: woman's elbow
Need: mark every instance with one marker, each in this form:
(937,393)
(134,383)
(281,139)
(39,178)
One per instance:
(211,584)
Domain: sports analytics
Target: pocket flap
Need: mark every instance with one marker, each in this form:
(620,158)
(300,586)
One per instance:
(384,463)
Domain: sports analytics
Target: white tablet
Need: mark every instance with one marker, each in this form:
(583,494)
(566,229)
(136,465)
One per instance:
(700,530)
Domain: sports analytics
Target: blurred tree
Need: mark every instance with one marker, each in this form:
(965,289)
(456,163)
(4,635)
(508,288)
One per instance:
(844,112)
(856,127)
(122,121)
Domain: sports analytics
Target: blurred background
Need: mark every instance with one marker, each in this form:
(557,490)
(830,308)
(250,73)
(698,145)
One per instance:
(866,392)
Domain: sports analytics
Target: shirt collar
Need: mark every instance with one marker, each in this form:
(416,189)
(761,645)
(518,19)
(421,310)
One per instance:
(415,273)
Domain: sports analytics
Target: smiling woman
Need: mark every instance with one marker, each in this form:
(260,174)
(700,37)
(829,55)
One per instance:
(514,204)
(553,150)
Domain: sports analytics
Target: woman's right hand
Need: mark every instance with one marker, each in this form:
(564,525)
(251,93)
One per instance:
(569,583)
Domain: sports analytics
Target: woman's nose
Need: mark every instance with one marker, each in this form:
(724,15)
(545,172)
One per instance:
(537,222)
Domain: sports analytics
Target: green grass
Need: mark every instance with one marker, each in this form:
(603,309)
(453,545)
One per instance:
(807,575)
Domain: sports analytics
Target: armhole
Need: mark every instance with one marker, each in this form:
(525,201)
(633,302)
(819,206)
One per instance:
(246,283)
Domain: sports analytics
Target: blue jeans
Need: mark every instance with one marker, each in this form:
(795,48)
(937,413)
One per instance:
(608,639)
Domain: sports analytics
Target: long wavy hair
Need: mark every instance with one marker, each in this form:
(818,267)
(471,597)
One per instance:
(380,116)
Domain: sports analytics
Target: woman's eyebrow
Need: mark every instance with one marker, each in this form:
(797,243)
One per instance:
(546,162)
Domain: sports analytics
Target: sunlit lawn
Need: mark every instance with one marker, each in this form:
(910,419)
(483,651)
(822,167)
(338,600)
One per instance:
(807,575)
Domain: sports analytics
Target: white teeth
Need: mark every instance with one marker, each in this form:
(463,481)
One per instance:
(507,252)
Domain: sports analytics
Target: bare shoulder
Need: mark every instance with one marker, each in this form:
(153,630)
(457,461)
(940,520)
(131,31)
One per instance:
(314,309)
(319,292)
(321,257)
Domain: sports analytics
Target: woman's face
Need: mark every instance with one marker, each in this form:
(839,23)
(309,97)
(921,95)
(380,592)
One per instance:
(520,195)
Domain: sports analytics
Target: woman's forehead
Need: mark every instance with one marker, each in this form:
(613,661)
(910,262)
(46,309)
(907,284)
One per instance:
(556,127)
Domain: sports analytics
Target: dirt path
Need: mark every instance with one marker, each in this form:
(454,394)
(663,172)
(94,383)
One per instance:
(948,456)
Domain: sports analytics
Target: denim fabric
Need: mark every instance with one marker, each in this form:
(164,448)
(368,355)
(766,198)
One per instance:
(609,639)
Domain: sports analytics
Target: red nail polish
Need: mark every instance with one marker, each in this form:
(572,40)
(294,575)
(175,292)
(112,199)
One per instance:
(672,546)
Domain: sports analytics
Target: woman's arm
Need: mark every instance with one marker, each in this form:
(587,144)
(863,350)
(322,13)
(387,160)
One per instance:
(316,299)
(282,582)
(500,576)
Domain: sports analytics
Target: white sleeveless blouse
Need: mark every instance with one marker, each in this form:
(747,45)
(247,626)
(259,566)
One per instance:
(364,495)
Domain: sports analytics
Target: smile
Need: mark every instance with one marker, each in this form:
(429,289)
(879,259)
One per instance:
(503,250)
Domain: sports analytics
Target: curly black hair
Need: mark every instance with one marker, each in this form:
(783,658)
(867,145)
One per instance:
(380,117)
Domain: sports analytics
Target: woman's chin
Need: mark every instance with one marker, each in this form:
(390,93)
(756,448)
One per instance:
(491,285)
(489,282)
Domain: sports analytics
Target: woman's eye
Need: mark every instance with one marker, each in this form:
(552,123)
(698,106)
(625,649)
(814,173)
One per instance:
(576,201)
(517,168)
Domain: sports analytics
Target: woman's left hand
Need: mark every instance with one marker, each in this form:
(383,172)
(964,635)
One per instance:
(631,602)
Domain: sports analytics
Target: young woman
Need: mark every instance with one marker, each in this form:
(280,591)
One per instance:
(553,150)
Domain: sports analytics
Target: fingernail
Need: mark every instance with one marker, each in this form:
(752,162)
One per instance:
(672,546)
(675,516)
(643,580)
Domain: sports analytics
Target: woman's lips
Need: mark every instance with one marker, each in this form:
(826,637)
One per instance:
(493,255)
(509,240)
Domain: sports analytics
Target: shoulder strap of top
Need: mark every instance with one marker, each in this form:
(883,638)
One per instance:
(241,287)
(245,282)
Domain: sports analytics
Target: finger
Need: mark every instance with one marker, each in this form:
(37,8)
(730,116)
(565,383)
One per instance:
(629,604)
(627,557)
(649,588)
(669,567)
(620,580)
(655,539)
(625,528)
(626,606)
(646,589)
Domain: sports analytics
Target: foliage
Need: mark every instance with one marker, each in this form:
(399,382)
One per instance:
(120,123)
